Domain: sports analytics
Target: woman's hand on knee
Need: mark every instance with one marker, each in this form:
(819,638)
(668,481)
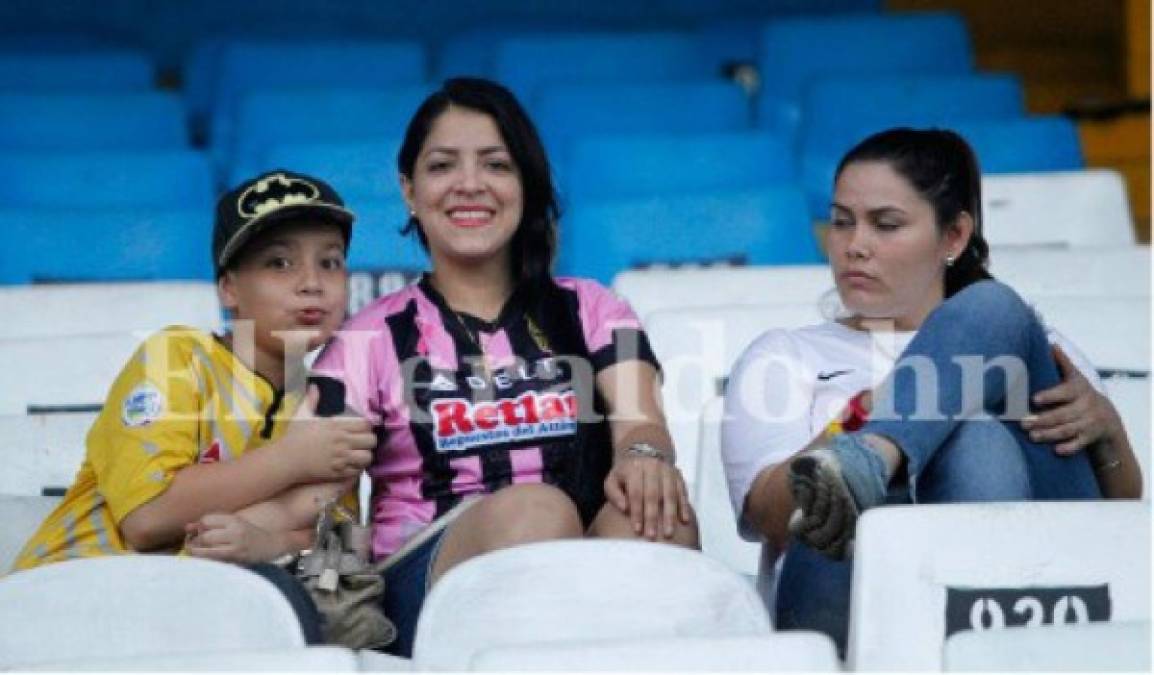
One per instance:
(651,491)
(1076,414)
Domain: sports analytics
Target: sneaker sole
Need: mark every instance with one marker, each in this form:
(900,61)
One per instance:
(810,474)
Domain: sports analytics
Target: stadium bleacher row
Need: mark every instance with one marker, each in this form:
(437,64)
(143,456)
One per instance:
(618,136)
(694,163)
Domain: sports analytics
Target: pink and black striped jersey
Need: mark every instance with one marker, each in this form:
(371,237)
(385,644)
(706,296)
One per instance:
(464,406)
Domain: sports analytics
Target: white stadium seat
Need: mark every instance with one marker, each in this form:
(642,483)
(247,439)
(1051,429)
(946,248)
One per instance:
(793,651)
(134,605)
(1032,270)
(21,515)
(1112,331)
(1096,272)
(922,573)
(285,660)
(42,452)
(715,516)
(61,372)
(81,309)
(370,661)
(697,347)
(581,590)
(650,290)
(1117,646)
(1066,208)
(1131,398)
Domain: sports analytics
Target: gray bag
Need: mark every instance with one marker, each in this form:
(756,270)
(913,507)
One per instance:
(344,585)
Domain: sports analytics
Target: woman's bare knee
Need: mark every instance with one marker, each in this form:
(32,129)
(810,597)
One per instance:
(518,514)
(535,512)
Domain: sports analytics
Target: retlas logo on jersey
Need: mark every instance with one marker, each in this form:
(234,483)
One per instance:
(460,424)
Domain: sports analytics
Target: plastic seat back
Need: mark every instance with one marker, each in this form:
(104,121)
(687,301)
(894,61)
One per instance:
(767,226)
(1057,208)
(581,590)
(524,63)
(42,452)
(157,598)
(697,347)
(113,244)
(923,573)
(88,69)
(108,121)
(22,515)
(107,179)
(639,165)
(794,50)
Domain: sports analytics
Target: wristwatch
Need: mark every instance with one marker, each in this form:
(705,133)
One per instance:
(646,450)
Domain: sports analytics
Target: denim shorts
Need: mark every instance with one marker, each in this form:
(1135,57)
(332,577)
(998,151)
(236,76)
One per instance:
(408,574)
(406,585)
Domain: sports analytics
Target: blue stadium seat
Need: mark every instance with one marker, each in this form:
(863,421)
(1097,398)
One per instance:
(298,116)
(1040,143)
(35,40)
(526,63)
(86,244)
(199,72)
(377,243)
(200,65)
(763,227)
(833,106)
(75,71)
(653,164)
(254,65)
(837,112)
(729,40)
(563,111)
(473,51)
(794,50)
(162,178)
(1008,145)
(104,121)
(362,171)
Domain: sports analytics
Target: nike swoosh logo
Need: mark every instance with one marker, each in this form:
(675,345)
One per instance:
(832,374)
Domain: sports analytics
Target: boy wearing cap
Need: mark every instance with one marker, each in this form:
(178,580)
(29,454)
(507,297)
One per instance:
(198,424)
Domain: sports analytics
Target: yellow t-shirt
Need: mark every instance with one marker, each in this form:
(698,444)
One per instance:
(182,398)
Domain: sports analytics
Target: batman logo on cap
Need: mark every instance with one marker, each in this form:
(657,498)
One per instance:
(273,192)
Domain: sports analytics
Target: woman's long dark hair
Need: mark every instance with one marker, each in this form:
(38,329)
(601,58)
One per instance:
(943,169)
(534,244)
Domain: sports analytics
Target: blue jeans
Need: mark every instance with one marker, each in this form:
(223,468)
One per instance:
(964,454)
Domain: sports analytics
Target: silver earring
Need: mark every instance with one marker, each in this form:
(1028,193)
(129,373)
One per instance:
(949,261)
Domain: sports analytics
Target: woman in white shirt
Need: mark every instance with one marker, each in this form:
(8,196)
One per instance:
(938,385)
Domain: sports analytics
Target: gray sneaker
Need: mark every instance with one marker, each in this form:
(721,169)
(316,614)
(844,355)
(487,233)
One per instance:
(831,486)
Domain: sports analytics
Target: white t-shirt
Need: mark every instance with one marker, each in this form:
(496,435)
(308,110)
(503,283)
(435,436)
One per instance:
(790,383)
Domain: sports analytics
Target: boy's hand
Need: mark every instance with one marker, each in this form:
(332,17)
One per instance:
(231,538)
(328,448)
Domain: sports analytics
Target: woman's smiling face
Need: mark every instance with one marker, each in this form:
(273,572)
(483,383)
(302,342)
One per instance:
(465,189)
